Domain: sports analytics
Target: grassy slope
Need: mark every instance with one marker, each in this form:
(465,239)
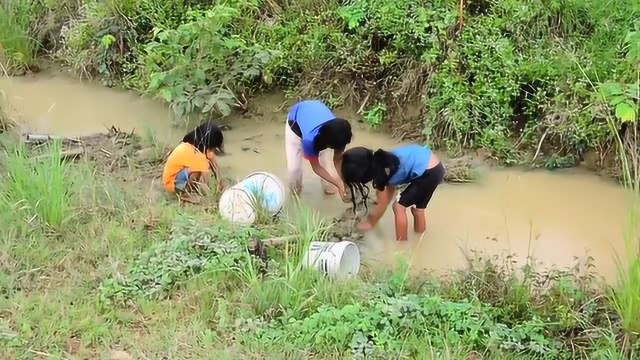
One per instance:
(91,265)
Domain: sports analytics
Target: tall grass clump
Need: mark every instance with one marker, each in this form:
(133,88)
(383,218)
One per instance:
(5,121)
(17,47)
(622,101)
(38,187)
(626,295)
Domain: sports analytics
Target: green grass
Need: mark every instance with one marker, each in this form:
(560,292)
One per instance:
(17,46)
(5,121)
(39,188)
(159,280)
(625,296)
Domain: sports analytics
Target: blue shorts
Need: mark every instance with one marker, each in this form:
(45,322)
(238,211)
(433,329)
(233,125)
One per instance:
(181,180)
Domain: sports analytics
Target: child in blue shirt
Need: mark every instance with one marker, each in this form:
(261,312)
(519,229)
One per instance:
(311,129)
(412,164)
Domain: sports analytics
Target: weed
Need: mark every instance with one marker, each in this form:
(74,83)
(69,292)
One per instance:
(17,47)
(41,188)
(192,249)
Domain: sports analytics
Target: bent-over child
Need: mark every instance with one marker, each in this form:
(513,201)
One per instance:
(311,129)
(414,165)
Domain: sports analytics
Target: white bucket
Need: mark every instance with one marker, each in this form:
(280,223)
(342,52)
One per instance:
(236,206)
(338,260)
(236,203)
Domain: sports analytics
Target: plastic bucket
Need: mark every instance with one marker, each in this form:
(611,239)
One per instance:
(236,206)
(338,260)
(237,203)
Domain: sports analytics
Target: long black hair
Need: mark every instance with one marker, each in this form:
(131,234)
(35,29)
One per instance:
(207,136)
(361,166)
(334,134)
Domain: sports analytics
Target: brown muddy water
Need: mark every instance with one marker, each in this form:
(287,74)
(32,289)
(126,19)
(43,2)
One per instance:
(552,216)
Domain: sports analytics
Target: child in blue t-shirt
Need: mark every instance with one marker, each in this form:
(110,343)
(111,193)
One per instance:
(311,129)
(412,164)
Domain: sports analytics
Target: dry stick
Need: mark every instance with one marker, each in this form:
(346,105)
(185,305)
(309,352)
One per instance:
(252,137)
(461,19)
(282,240)
(31,138)
(539,146)
(65,155)
(278,241)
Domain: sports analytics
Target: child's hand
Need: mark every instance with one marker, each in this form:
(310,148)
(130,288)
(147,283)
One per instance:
(343,194)
(345,197)
(364,226)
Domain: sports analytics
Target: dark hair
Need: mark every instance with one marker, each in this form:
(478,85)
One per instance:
(334,134)
(361,166)
(207,136)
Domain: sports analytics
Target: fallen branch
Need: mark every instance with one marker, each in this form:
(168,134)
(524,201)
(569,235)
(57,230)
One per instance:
(279,241)
(38,138)
(535,156)
(65,155)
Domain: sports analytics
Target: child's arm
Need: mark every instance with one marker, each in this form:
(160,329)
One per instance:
(213,164)
(323,173)
(383,198)
(337,160)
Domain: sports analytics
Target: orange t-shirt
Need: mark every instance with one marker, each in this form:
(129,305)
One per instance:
(183,156)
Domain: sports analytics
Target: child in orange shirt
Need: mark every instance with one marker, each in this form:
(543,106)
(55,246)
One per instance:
(189,163)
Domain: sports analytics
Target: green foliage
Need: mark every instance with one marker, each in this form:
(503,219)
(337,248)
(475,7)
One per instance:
(507,76)
(623,99)
(192,249)
(374,116)
(491,308)
(17,47)
(488,309)
(194,66)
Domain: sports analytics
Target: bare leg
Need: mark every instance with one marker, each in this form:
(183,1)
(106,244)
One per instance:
(400,214)
(419,220)
(293,152)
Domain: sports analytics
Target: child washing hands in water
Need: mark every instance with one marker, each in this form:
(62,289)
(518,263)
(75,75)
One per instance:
(187,167)
(310,131)
(415,165)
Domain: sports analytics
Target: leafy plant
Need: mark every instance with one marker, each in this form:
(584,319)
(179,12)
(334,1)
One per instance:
(196,67)
(192,249)
(623,98)
(375,115)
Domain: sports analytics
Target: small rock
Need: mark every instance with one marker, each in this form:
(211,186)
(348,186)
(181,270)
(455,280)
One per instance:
(147,153)
(120,355)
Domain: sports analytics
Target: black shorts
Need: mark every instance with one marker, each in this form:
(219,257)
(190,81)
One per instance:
(421,189)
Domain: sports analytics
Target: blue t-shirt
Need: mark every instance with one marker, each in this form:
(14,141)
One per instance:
(413,163)
(310,115)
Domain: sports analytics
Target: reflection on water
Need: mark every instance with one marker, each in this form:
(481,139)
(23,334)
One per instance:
(552,216)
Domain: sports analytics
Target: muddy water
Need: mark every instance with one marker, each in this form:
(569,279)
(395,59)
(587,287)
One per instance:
(554,217)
